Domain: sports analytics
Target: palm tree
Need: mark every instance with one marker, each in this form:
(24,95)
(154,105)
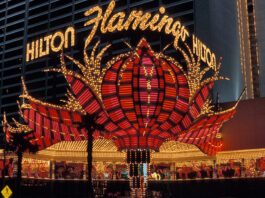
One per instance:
(18,144)
(3,145)
(90,124)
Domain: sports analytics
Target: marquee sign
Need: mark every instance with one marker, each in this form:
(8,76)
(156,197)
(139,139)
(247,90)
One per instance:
(108,22)
(141,98)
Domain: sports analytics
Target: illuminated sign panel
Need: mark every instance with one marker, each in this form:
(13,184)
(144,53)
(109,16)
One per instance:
(141,98)
(108,22)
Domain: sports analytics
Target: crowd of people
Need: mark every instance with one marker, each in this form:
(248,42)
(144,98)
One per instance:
(162,171)
(200,170)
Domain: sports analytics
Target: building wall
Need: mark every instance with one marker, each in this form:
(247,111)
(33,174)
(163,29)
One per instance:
(247,128)
(260,27)
(216,25)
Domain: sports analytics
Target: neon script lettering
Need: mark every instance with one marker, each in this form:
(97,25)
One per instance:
(135,20)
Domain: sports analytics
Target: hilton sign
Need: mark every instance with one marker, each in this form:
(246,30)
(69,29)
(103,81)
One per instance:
(136,20)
